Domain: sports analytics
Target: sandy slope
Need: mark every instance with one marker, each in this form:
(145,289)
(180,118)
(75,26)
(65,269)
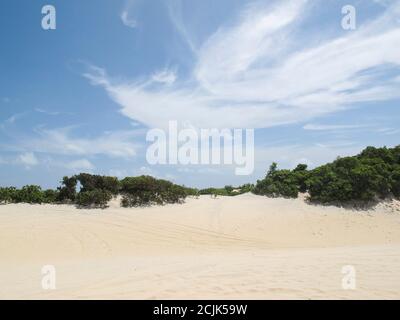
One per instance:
(231,247)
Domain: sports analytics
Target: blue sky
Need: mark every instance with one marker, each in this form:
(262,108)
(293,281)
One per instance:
(82,97)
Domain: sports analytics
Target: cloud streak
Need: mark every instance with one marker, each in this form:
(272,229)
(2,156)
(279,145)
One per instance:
(334,127)
(117,144)
(28,159)
(81,164)
(246,75)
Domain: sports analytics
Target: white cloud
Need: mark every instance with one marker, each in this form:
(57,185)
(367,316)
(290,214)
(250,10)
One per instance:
(15,117)
(164,76)
(231,51)
(388,131)
(247,76)
(59,141)
(51,113)
(126,20)
(145,171)
(384,3)
(28,159)
(327,127)
(175,15)
(81,164)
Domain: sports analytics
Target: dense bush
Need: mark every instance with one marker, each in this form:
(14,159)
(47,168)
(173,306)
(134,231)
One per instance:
(395,181)
(67,191)
(248,187)
(94,198)
(97,190)
(191,191)
(360,178)
(50,196)
(29,194)
(278,183)
(372,175)
(90,182)
(227,190)
(173,194)
(301,175)
(146,190)
(7,194)
(369,176)
(214,191)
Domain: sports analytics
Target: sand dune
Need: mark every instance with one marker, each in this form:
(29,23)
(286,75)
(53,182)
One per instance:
(230,247)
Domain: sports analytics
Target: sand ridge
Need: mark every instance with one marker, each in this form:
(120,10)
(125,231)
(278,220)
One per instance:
(230,247)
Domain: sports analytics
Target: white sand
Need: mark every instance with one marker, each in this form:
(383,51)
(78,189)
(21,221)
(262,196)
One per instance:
(231,247)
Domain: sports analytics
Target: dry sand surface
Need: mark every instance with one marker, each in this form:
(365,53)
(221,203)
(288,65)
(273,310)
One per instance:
(246,247)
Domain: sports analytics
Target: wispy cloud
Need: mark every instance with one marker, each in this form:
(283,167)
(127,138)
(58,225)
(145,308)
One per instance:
(60,141)
(246,74)
(126,20)
(388,131)
(81,164)
(126,14)
(329,127)
(28,159)
(165,76)
(12,119)
(51,113)
(175,15)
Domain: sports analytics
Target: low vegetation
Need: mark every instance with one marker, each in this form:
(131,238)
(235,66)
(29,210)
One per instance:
(146,190)
(227,190)
(96,191)
(370,176)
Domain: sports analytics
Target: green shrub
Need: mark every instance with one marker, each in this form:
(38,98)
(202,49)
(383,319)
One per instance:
(29,194)
(227,190)
(94,198)
(67,191)
(386,155)
(372,175)
(90,182)
(324,186)
(97,190)
(7,194)
(248,187)
(146,190)
(395,181)
(351,178)
(302,174)
(214,191)
(278,183)
(173,194)
(50,196)
(138,191)
(191,191)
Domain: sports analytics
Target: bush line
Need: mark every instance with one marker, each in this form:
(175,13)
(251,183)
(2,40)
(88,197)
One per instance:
(370,176)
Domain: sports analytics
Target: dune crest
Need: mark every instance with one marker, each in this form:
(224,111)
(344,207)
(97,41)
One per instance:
(246,246)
